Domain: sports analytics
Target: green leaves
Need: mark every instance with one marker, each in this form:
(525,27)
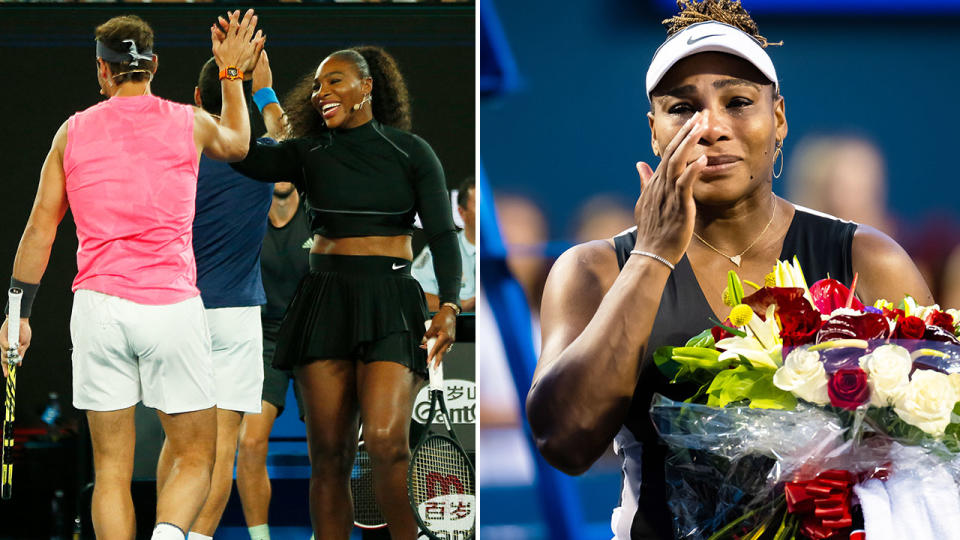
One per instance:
(663,359)
(703,339)
(745,384)
(765,395)
(728,381)
(735,287)
(686,362)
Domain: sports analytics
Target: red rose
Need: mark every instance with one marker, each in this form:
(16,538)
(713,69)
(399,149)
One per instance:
(848,388)
(909,328)
(941,319)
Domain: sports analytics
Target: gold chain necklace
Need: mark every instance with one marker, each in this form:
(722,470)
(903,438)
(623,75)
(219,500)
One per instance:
(736,258)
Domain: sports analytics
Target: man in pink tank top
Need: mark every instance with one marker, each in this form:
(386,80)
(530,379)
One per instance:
(128,169)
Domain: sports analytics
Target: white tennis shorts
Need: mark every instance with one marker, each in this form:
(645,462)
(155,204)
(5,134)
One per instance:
(124,352)
(237,339)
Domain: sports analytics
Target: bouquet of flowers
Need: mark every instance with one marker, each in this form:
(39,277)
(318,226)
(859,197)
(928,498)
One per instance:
(814,414)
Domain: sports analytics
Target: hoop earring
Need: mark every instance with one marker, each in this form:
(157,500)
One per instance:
(779,153)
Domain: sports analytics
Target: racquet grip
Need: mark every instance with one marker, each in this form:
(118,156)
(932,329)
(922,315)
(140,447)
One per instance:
(13,326)
(436,372)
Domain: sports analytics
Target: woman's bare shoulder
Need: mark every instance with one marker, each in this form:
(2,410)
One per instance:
(581,276)
(597,258)
(885,269)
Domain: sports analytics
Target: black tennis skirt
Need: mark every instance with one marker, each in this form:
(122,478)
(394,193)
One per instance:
(366,308)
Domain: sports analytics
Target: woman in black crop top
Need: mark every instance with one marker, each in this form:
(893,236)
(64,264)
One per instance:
(354,329)
(718,122)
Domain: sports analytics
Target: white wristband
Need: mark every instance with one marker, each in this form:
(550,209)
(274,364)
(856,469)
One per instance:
(652,256)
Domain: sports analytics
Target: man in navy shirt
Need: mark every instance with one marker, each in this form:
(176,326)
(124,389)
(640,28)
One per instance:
(228,230)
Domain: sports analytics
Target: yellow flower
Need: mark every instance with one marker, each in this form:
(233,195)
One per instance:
(728,297)
(741,314)
(883,304)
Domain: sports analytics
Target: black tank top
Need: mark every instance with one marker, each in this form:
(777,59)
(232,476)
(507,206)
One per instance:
(283,262)
(820,242)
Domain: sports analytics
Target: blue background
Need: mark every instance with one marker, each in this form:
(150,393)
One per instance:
(577,124)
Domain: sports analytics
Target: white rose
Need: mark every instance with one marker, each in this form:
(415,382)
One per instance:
(888,368)
(955,313)
(928,401)
(803,375)
(955,381)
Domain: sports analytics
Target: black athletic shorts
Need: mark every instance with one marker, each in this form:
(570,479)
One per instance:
(275,381)
(366,308)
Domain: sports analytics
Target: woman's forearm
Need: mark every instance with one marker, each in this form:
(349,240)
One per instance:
(580,398)
(271,163)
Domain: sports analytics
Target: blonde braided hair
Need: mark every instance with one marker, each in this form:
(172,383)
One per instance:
(724,11)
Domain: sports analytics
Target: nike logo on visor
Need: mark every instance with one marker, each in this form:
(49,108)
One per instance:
(397,267)
(691,40)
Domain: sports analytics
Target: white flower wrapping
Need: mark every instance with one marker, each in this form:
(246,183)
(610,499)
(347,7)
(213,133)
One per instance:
(803,375)
(888,369)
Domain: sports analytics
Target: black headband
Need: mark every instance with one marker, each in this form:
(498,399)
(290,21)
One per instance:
(132,55)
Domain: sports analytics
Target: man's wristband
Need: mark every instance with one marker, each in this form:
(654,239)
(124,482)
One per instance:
(26,302)
(264,97)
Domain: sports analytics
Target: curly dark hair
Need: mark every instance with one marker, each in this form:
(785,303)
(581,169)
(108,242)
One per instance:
(113,32)
(724,11)
(390,99)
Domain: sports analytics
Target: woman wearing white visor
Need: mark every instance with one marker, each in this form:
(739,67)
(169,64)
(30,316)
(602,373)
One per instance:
(718,122)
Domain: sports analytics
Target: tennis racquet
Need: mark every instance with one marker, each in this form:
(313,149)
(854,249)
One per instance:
(366,511)
(440,480)
(12,357)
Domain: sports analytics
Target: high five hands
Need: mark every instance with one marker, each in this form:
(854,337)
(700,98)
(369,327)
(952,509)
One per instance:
(234,41)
